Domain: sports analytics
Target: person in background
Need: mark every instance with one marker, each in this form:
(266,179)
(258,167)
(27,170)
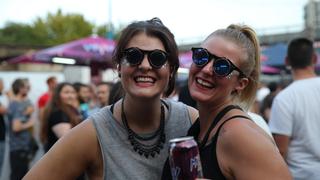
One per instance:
(103,92)
(266,104)
(59,115)
(3,113)
(10,95)
(44,98)
(30,109)
(93,100)
(260,122)
(83,94)
(223,79)
(295,115)
(20,121)
(130,138)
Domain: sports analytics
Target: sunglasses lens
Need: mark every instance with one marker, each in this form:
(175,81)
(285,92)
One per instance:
(157,58)
(200,57)
(134,56)
(221,67)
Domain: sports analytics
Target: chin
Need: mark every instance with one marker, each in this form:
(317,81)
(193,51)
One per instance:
(199,97)
(144,95)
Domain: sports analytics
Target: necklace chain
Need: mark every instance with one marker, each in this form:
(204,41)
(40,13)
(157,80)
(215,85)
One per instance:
(136,140)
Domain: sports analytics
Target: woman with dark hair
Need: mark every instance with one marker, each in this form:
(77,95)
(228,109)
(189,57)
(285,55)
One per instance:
(59,115)
(128,139)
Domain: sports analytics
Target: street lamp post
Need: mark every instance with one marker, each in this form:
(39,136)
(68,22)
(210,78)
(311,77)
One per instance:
(110,30)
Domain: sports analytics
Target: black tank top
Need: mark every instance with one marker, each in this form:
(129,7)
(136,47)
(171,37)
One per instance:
(208,155)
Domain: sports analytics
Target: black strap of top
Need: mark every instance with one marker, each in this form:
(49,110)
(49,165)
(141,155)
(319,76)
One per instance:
(232,117)
(215,122)
(111,108)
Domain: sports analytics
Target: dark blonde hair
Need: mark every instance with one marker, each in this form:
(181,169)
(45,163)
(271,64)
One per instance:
(246,38)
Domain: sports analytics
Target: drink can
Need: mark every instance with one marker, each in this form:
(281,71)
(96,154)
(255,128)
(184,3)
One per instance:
(184,159)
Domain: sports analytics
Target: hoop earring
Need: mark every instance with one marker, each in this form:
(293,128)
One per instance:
(171,76)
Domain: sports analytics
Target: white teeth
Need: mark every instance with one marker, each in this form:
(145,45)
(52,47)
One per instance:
(144,79)
(204,83)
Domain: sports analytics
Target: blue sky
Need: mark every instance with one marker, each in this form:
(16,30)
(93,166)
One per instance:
(189,20)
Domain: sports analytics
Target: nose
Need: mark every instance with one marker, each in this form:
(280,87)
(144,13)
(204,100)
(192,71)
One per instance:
(145,63)
(208,69)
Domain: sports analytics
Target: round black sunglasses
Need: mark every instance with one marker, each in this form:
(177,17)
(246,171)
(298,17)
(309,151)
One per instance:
(221,66)
(134,56)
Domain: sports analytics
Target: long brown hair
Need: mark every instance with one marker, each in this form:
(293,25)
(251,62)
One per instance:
(153,28)
(55,104)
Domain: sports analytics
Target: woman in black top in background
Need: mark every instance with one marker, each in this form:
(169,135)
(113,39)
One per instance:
(60,115)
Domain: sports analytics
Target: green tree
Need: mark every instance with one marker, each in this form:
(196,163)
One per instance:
(54,29)
(59,28)
(16,33)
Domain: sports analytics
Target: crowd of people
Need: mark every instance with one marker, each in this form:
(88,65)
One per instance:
(60,108)
(244,130)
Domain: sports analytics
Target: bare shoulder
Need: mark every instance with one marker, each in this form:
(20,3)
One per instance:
(70,156)
(245,151)
(81,136)
(244,130)
(237,136)
(193,113)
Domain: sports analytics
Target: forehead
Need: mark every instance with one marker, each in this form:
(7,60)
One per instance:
(84,88)
(67,88)
(218,43)
(145,42)
(103,87)
(223,47)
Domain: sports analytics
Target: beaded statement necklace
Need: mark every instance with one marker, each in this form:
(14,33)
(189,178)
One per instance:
(145,145)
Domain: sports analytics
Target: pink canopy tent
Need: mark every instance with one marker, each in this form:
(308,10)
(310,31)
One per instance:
(185,59)
(91,51)
(26,58)
(269,70)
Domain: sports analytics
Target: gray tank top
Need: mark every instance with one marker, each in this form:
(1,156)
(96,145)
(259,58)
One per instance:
(120,161)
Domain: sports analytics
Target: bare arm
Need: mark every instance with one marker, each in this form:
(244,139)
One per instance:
(29,110)
(40,114)
(69,157)
(244,152)
(282,142)
(3,110)
(18,126)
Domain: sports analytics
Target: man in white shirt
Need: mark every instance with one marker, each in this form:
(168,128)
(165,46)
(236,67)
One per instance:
(295,113)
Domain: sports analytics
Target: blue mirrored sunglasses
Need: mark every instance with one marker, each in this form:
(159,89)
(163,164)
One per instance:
(221,66)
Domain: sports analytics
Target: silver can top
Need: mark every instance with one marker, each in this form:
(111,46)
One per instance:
(181,139)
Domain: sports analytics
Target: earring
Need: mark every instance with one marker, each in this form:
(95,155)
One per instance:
(171,76)
(229,76)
